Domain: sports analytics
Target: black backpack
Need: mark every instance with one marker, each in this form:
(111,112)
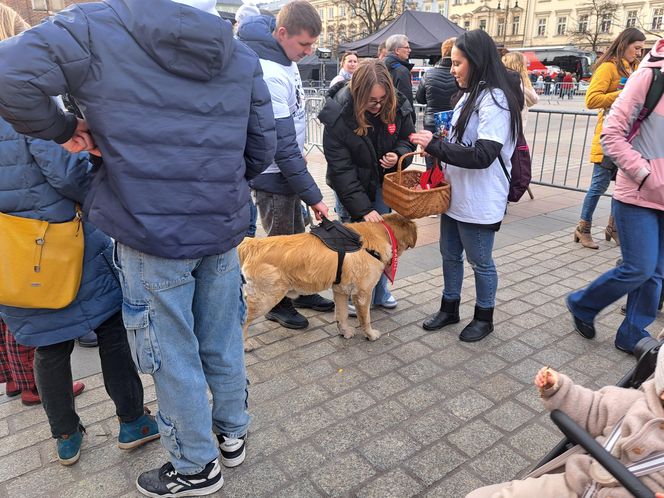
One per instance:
(521,169)
(652,99)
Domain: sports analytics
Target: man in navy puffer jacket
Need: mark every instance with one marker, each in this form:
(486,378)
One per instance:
(281,186)
(182,118)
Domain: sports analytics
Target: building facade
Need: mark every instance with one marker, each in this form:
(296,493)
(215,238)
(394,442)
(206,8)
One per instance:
(525,23)
(34,11)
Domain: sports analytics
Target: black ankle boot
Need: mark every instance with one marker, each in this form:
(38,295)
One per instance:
(480,327)
(448,314)
(286,314)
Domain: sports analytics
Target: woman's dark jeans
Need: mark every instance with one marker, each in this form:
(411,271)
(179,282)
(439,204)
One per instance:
(121,380)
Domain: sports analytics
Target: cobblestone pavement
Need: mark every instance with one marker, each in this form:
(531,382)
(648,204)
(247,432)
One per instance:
(413,414)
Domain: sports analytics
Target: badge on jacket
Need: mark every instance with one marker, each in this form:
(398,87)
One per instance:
(391,128)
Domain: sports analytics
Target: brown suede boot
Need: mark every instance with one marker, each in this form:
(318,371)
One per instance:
(611,231)
(582,234)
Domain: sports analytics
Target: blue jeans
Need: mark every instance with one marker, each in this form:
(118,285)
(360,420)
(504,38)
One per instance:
(381,293)
(599,184)
(457,237)
(184,324)
(639,276)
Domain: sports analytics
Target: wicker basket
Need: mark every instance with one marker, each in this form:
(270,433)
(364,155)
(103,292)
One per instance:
(400,195)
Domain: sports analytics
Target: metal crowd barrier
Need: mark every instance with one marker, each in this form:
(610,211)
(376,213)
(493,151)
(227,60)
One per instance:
(561,91)
(559,143)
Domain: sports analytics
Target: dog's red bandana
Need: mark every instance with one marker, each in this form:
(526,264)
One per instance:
(392,270)
(391,128)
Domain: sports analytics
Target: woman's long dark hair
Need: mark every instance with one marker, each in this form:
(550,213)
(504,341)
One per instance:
(486,72)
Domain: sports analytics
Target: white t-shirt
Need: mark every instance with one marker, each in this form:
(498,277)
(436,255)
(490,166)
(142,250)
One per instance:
(287,94)
(480,195)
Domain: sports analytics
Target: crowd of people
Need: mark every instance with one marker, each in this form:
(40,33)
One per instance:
(166,203)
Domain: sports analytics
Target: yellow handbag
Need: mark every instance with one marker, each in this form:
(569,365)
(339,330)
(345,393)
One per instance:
(40,262)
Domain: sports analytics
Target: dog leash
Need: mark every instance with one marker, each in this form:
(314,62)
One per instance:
(395,258)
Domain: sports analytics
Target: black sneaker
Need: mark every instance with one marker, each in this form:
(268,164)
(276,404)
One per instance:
(315,302)
(232,450)
(285,314)
(167,482)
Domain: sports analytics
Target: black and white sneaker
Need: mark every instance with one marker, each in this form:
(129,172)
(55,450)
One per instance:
(232,450)
(166,481)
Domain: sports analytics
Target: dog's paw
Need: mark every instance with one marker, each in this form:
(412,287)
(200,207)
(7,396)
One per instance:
(372,334)
(249,345)
(347,332)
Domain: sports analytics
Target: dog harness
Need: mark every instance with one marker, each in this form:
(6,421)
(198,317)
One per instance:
(342,240)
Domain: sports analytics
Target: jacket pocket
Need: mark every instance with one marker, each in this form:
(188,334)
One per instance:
(142,339)
(652,189)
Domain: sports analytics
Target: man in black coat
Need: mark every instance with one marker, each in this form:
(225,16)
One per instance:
(398,52)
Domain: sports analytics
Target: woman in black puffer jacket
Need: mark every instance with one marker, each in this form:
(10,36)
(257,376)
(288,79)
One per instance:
(367,125)
(438,86)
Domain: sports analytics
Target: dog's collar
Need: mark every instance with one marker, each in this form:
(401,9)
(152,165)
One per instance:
(395,259)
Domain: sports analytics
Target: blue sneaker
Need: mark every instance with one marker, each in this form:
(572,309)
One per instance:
(69,447)
(134,434)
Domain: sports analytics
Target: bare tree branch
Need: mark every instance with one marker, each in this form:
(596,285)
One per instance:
(592,34)
(374,14)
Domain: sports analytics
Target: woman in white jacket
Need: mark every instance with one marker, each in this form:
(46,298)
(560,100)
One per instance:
(485,126)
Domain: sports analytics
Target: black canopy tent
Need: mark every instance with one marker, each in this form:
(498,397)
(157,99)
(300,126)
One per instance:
(311,66)
(425,31)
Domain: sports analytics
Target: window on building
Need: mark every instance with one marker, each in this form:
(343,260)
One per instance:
(457,2)
(321,13)
(516,21)
(583,23)
(562,26)
(342,11)
(330,12)
(632,18)
(483,24)
(657,19)
(541,27)
(605,24)
(500,29)
(466,25)
(39,4)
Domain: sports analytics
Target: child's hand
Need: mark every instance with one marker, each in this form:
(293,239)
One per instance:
(546,378)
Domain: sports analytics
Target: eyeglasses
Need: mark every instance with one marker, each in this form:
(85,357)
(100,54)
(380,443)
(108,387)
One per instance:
(375,103)
(407,47)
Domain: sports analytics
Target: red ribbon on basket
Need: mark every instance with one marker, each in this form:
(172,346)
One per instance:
(433,177)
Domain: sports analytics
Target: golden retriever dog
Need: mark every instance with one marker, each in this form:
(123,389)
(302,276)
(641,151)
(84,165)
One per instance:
(301,264)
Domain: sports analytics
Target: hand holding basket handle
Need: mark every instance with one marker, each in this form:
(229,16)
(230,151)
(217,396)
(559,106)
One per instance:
(400,194)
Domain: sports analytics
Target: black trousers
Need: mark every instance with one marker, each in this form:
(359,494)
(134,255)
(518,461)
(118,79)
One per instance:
(54,379)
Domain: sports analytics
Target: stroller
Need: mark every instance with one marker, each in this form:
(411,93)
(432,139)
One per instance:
(646,352)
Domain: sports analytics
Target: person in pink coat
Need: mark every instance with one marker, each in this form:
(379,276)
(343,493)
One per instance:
(639,211)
